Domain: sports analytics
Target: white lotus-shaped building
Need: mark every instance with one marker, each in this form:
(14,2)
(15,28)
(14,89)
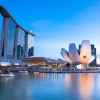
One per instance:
(74,56)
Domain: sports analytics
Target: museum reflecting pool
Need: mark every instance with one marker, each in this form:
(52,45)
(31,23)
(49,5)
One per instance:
(50,86)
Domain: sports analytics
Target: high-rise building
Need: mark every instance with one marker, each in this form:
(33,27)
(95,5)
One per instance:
(93,51)
(15,41)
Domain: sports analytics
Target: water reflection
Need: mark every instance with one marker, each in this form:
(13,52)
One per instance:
(44,76)
(80,85)
(50,86)
(86,85)
(71,80)
(4,80)
(71,86)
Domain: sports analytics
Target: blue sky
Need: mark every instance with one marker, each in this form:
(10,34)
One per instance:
(57,23)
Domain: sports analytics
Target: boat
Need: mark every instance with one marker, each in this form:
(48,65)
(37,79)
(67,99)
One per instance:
(7,75)
(23,71)
(35,72)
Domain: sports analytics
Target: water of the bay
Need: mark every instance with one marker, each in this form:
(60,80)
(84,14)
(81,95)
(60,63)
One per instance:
(50,86)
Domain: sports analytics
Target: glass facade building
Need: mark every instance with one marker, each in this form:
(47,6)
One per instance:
(20,44)
(15,42)
(30,45)
(10,39)
(93,52)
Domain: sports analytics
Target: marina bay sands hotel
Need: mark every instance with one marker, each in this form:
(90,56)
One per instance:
(15,41)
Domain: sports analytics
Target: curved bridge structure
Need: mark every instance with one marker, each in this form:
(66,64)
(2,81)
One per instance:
(15,41)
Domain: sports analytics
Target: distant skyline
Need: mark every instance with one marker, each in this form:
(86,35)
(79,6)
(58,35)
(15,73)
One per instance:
(57,23)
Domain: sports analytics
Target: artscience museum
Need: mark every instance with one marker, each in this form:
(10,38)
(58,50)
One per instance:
(83,56)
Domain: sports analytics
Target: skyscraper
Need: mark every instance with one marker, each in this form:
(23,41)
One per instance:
(15,41)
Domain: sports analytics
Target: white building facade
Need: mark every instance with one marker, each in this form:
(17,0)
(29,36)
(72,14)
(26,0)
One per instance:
(83,56)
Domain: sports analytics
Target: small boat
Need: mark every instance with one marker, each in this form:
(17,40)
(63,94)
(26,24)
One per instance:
(35,72)
(23,71)
(7,75)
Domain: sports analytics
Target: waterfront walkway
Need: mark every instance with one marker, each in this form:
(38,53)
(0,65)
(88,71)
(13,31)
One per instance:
(54,70)
(64,70)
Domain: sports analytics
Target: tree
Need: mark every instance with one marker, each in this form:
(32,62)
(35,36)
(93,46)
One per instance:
(68,64)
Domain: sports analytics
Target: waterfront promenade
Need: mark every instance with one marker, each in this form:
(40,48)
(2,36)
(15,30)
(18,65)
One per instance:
(55,70)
